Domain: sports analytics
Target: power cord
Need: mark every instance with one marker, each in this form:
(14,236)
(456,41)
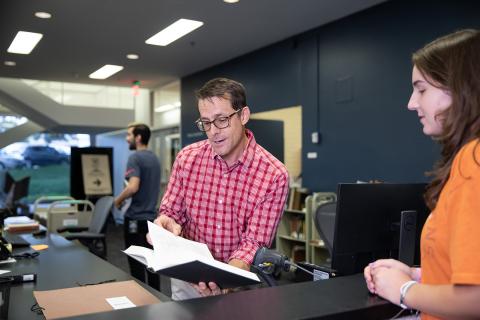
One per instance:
(294,266)
(37,309)
(26,255)
(92,284)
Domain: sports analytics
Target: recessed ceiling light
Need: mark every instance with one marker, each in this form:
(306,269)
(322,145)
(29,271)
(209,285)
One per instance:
(10,63)
(173,32)
(132,56)
(43,15)
(24,42)
(230,1)
(105,71)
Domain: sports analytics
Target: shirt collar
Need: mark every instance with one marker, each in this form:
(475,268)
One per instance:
(247,155)
(249,152)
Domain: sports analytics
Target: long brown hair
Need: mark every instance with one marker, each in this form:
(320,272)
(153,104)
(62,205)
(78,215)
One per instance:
(452,63)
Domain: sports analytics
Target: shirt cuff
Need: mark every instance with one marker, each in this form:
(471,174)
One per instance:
(178,219)
(246,253)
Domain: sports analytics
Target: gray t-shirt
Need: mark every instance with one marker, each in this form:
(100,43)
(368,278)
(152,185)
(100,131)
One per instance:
(145,165)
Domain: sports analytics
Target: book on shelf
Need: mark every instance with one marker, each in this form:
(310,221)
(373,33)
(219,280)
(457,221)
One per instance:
(187,260)
(296,200)
(298,253)
(317,243)
(296,228)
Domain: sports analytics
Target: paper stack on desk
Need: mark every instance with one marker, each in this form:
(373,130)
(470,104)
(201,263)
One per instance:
(20,224)
(188,260)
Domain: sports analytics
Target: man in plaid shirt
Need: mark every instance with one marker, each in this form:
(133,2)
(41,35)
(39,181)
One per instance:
(226,191)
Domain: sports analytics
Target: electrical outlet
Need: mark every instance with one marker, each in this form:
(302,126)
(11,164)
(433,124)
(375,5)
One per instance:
(311,155)
(314,137)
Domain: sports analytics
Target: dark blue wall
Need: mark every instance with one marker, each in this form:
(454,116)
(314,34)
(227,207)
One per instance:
(352,78)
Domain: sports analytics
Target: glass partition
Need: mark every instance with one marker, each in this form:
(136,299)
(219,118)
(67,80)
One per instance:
(45,158)
(88,95)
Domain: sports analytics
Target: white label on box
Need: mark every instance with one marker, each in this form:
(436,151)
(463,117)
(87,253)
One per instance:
(28,277)
(70,222)
(320,275)
(120,303)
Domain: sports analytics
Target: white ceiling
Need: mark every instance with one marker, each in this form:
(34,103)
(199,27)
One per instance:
(83,35)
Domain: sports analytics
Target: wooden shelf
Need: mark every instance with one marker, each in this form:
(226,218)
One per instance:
(293,221)
(315,250)
(292,238)
(295,211)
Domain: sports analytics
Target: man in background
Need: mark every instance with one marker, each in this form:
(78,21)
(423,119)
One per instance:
(142,178)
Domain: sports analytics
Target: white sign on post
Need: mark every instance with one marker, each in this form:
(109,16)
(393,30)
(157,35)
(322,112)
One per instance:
(96,174)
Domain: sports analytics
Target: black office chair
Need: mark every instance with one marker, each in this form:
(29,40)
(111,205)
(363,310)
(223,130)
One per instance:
(325,223)
(93,237)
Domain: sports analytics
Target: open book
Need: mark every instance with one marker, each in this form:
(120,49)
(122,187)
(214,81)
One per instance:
(188,260)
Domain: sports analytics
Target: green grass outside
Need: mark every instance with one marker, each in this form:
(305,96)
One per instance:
(53,180)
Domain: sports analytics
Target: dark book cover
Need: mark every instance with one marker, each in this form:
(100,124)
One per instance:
(197,271)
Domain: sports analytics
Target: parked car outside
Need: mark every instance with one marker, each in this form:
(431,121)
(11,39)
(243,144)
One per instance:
(8,161)
(43,156)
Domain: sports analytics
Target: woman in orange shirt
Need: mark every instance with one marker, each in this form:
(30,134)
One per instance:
(446,97)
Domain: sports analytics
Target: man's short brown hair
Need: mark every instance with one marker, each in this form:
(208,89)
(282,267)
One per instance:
(140,129)
(224,88)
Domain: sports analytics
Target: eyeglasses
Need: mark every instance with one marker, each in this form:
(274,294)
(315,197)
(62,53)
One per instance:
(220,122)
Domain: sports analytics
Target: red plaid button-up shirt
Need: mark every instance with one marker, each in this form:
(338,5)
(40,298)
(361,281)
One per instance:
(235,210)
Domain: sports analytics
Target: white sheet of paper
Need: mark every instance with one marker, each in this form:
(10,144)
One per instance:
(120,303)
(9,260)
(144,255)
(4,271)
(17,220)
(165,241)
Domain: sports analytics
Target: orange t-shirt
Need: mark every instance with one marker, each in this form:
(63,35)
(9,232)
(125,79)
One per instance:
(450,243)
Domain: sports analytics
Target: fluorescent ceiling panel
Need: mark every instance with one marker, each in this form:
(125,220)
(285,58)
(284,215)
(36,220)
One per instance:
(43,15)
(168,107)
(24,42)
(174,31)
(106,71)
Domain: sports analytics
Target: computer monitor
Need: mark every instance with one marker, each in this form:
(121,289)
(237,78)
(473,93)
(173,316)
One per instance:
(368,224)
(16,190)
(8,182)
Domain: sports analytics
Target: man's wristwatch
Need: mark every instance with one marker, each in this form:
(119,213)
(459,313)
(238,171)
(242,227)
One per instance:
(403,292)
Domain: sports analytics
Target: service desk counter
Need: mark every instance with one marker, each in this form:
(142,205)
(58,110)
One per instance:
(340,298)
(63,265)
